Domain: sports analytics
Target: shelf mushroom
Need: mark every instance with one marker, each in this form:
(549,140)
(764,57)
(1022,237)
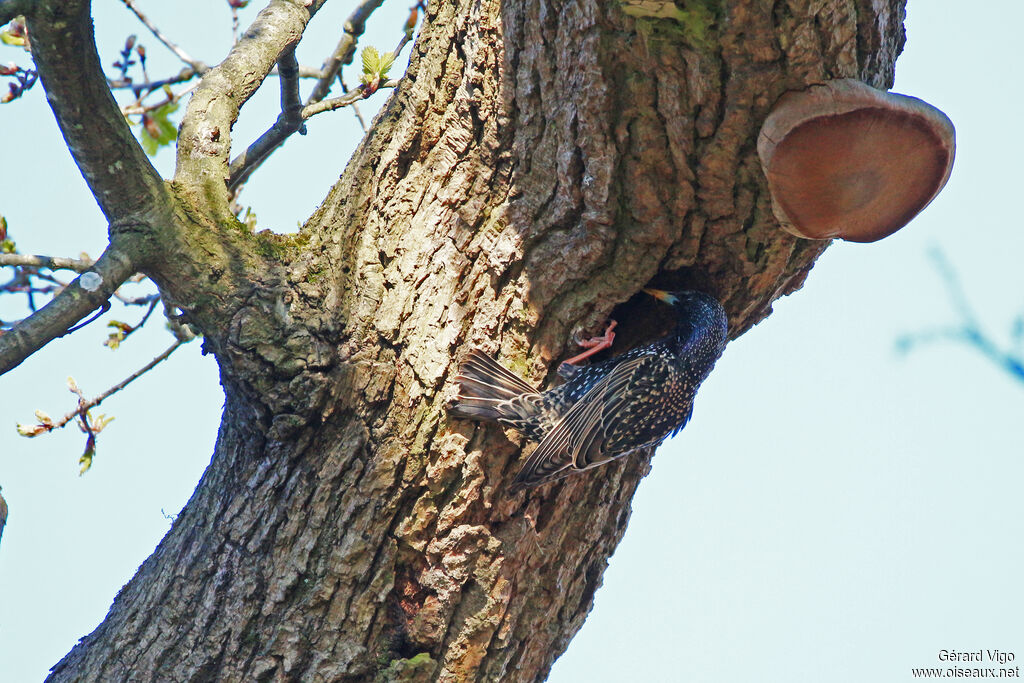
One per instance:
(845,160)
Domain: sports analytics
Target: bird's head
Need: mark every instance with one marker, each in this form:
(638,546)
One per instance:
(685,300)
(694,307)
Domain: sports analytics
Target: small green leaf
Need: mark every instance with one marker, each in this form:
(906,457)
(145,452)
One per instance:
(157,130)
(8,38)
(86,461)
(386,60)
(90,450)
(371,61)
(375,66)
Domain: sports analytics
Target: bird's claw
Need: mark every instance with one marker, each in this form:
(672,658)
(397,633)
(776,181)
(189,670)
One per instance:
(593,345)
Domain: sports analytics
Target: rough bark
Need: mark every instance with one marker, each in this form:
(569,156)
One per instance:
(541,162)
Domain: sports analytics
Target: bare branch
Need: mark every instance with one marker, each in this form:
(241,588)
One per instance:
(136,108)
(92,403)
(288,68)
(204,140)
(234,21)
(352,97)
(119,174)
(89,425)
(186,74)
(123,330)
(969,331)
(51,262)
(243,165)
(26,267)
(289,121)
(304,72)
(355,107)
(197,65)
(89,291)
(354,27)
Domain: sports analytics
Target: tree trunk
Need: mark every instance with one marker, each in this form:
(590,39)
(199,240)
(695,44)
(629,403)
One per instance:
(540,163)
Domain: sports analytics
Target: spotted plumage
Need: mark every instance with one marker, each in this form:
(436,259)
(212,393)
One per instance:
(605,410)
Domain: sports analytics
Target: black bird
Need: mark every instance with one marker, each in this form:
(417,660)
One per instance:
(606,410)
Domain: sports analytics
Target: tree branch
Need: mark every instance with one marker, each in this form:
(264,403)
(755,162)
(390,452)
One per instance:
(88,404)
(969,332)
(119,174)
(243,165)
(88,292)
(288,68)
(197,65)
(185,74)
(51,262)
(204,139)
(350,98)
(355,107)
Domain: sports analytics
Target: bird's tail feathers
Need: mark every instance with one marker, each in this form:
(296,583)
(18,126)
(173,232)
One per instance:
(484,386)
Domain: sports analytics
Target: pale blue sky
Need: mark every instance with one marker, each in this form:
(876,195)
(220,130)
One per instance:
(834,512)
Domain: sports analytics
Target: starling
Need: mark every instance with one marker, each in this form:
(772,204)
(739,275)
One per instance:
(605,410)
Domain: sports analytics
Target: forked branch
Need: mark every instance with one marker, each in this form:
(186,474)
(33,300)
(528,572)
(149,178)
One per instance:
(969,331)
(292,120)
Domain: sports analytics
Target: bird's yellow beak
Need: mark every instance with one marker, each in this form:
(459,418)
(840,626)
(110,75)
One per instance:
(662,295)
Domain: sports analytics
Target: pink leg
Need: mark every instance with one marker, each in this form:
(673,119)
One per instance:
(594,345)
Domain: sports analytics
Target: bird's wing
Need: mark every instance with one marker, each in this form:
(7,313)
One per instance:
(578,438)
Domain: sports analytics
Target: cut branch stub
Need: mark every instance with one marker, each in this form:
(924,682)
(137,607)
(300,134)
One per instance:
(846,160)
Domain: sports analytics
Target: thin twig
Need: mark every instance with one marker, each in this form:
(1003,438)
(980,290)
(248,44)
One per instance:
(96,316)
(355,106)
(137,108)
(86,405)
(135,375)
(51,262)
(199,66)
(20,282)
(234,23)
(186,74)
(136,300)
(333,103)
(970,331)
(124,330)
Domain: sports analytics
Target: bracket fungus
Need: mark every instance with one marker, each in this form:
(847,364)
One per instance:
(845,160)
